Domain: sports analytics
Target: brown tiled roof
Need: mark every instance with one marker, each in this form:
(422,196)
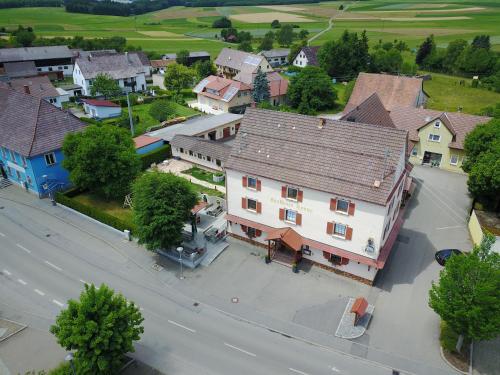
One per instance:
(392,90)
(226,88)
(337,158)
(30,126)
(39,86)
(206,147)
(371,111)
(161,63)
(459,124)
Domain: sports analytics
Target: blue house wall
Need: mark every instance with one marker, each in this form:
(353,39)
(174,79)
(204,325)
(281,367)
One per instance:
(31,172)
(149,148)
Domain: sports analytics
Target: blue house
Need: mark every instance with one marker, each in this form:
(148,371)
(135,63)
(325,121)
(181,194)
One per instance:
(31,136)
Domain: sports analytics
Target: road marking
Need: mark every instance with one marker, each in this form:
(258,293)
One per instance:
(6,272)
(60,304)
(2,235)
(53,265)
(21,281)
(23,248)
(239,349)
(297,371)
(39,292)
(180,325)
(452,227)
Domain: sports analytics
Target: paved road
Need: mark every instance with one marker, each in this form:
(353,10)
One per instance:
(45,261)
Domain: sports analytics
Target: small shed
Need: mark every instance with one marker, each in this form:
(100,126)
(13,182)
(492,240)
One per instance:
(101,109)
(359,309)
(146,143)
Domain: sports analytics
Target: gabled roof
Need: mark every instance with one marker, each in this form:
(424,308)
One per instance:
(392,90)
(100,103)
(278,85)
(370,111)
(278,52)
(115,65)
(326,155)
(311,54)
(239,60)
(34,53)
(220,88)
(30,126)
(20,69)
(206,147)
(39,86)
(443,118)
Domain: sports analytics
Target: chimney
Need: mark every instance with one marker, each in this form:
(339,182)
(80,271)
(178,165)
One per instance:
(127,56)
(27,89)
(322,123)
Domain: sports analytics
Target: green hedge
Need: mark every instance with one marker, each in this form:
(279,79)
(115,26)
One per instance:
(95,213)
(156,156)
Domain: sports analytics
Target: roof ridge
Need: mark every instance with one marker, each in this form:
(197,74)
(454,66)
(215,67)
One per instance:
(36,125)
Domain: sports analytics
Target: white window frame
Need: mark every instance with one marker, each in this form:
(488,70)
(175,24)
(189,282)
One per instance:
(288,188)
(254,187)
(50,159)
(451,159)
(293,218)
(248,205)
(346,212)
(437,124)
(339,234)
(432,137)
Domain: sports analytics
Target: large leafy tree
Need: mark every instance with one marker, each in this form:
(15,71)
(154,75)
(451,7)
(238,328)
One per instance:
(100,328)
(183,57)
(179,77)
(311,90)
(453,51)
(467,296)
(476,61)
(204,69)
(101,158)
(427,47)
(24,36)
(162,204)
(284,35)
(245,46)
(260,91)
(267,42)
(390,61)
(103,84)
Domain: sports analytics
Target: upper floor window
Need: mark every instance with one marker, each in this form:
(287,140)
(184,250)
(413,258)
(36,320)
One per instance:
(434,137)
(290,216)
(339,229)
(252,204)
(199,156)
(50,158)
(218,162)
(437,124)
(252,182)
(292,193)
(454,159)
(191,153)
(342,206)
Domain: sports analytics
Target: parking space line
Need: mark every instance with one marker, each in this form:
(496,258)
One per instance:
(53,265)
(298,371)
(23,248)
(181,326)
(39,292)
(6,272)
(21,281)
(241,350)
(60,304)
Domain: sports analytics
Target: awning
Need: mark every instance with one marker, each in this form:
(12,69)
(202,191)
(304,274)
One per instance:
(288,236)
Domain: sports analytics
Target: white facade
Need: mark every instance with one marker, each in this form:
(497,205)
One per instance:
(67,69)
(124,83)
(102,112)
(197,158)
(300,60)
(368,221)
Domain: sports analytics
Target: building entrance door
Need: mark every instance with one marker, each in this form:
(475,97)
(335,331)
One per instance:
(432,159)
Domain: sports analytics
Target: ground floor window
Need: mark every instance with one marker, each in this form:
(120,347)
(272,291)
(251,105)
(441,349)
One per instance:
(50,158)
(251,232)
(454,159)
(414,151)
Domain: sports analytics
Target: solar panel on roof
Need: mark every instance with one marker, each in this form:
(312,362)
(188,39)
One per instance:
(230,93)
(199,87)
(252,60)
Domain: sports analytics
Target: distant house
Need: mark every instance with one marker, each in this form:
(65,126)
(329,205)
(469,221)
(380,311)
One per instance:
(40,87)
(231,62)
(393,91)
(101,109)
(192,58)
(307,56)
(72,89)
(126,68)
(145,143)
(204,152)
(55,61)
(20,69)
(31,136)
(276,57)
(160,66)
(217,95)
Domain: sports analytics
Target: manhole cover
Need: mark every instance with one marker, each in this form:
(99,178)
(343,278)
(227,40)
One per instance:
(235,300)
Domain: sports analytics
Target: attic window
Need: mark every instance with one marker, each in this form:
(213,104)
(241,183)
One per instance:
(437,124)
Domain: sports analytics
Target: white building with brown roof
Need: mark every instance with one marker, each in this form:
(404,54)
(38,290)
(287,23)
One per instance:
(317,190)
(231,62)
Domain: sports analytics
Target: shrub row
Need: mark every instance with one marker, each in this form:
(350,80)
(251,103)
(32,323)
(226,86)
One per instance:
(95,213)
(156,156)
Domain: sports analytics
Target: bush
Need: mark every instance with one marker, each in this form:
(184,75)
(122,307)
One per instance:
(156,156)
(447,337)
(95,213)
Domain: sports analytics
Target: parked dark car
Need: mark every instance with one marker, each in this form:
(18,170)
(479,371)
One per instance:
(443,255)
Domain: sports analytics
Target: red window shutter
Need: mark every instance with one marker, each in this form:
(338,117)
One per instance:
(259,185)
(258,233)
(298,219)
(348,233)
(244,181)
(326,255)
(333,204)
(283,192)
(244,203)
(282,214)
(300,196)
(259,207)
(243,228)
(329,228)
(351,208)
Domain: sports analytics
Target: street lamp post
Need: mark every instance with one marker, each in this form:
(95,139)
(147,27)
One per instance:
(179,250)
(69,358)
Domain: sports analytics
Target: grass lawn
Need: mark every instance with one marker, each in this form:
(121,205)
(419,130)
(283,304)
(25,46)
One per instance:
(113,208)
(202,174)
(446,94)
(202,189)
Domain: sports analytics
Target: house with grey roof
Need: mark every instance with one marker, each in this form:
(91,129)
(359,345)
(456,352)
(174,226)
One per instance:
(204,152)
(40,87)
(126,68)
(31,137)
(231,62)
(193,57)
(276,57)
(55,61)
(320,191)
(21,69)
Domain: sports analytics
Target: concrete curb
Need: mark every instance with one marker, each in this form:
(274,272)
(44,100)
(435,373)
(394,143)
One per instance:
(23,326)
(448,362)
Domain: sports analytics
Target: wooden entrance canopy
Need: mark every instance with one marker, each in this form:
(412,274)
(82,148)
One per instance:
(287,236)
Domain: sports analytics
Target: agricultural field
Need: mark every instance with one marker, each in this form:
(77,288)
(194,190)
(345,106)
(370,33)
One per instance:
(170,30)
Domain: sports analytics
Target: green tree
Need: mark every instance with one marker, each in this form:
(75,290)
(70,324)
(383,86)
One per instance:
(222,23)
(100,328)
(311,90)
(245,46)
(260,91)
(179,77)
(105,85)
(267,42)
(101,158)
(303,34)
(275,24)
(467,296)
(244,36)
(453,51)
(162,204)
(481,41)
(204,69)
(476,61)
(425,49)
(25,37)
(389,61)
(183,57)
(284,35)
(162,110)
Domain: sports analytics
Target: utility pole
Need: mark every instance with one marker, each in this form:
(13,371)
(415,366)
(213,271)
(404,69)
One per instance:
(130,116)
